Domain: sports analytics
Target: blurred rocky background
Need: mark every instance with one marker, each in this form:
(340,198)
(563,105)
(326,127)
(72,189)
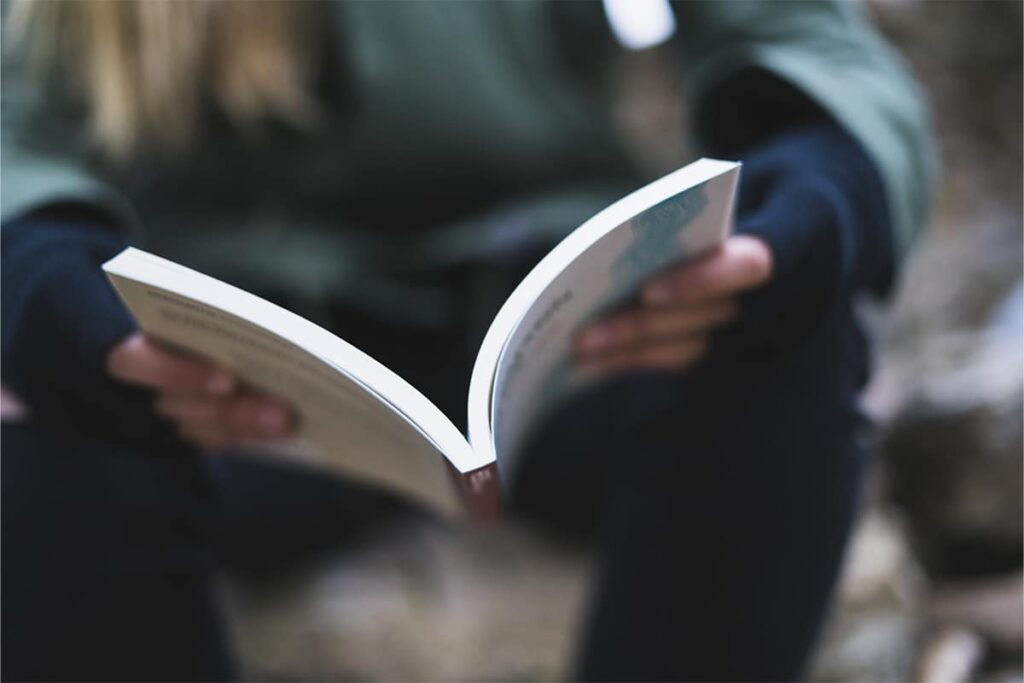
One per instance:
(933,585)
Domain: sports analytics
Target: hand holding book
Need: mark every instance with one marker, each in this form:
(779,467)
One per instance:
(357,418)
(669,328)
(206,404)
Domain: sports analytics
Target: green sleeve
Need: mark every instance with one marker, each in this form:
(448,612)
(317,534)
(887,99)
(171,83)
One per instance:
(42,154)
(827,49)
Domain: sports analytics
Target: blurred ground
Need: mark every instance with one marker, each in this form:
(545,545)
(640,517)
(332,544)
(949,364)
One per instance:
(932,589)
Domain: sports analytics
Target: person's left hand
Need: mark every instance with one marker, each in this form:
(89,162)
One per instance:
(671,326)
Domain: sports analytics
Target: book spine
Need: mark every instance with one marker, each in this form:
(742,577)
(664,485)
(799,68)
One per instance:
(480,492)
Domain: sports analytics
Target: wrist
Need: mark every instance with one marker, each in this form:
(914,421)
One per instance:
(61,317)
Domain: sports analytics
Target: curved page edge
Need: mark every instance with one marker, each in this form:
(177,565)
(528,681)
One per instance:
(481,437)
(374,377)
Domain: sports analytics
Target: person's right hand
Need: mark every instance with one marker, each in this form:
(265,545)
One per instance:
(204,402)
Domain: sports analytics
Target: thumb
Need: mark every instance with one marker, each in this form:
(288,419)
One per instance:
(139,360)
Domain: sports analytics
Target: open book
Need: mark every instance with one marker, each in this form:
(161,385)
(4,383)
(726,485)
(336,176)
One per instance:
(359,419)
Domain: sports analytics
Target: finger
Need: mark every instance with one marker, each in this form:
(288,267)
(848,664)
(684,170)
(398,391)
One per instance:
(138,360)
(207,436)
(646,325)
(741,263)
(191,408)
(677,354)
(246,417)
(258,417)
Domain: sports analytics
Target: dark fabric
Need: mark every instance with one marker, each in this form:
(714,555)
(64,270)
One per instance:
(106,561)
(273,517)
(60,318)
(752,106)
(721,499)
(814,196)
(719,502)
(719,531)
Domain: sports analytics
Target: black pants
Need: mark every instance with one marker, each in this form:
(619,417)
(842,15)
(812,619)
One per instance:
(719,503)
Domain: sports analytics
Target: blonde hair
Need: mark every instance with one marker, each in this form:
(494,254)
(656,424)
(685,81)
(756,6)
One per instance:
(144,68)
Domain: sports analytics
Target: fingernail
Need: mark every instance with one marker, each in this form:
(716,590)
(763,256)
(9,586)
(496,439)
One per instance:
(595,338)
(219,383)
(658,293)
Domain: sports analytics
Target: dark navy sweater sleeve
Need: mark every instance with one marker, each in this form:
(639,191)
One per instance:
(809,190)
(60,318)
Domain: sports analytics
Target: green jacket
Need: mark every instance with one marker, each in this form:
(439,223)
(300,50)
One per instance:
(439,114)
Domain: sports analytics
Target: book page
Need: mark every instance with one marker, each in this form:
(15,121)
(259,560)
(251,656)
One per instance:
(355,417)
(524,367)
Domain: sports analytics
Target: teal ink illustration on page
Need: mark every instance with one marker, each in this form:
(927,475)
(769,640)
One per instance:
(656,244)
(655,241)
(656,237)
